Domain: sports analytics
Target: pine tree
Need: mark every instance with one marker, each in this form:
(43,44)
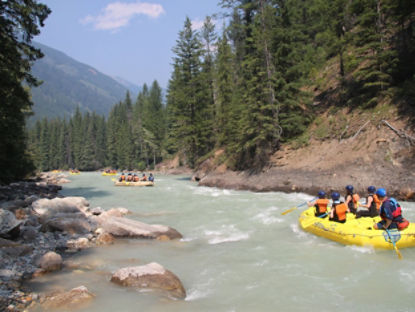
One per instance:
(19,22)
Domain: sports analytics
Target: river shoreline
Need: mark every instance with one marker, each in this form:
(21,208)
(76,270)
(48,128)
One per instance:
(399,183)
(40,230)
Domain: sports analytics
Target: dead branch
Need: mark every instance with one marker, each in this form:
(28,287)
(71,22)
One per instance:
(360,129)
(401,134)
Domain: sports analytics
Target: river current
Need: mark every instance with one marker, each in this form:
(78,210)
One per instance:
(238,254)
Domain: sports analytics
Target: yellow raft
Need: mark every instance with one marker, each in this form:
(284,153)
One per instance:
(139,183)
(109,173)
(358,232)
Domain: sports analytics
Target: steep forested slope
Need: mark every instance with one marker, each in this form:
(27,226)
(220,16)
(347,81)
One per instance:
(68,84)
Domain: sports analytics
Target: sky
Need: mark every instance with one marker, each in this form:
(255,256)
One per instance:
(127,38)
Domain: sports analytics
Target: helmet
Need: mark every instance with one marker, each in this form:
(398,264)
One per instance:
(349,188)
(321,194)
(335,196)
(371,189)
(381,192)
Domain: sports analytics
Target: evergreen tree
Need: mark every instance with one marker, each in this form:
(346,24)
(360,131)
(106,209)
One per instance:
(19,22)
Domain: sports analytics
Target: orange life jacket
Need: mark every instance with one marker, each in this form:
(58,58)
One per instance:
(136,179)
(377,201)
(144,178)
(122,178)
(321,205)
(340,210)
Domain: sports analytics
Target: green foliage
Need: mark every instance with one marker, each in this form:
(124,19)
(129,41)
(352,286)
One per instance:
(19,22)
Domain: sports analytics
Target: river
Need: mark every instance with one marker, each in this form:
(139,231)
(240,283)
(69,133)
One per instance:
(238,254)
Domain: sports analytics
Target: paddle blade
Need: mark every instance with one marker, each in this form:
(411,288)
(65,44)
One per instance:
(114,180)
(288,211)
(398,252)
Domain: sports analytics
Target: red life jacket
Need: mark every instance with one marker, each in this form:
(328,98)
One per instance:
(396,210)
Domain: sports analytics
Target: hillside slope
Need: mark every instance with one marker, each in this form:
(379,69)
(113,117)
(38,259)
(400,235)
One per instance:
(68,83)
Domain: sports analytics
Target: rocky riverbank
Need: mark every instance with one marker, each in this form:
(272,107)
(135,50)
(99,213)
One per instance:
(40,230)
(375,155)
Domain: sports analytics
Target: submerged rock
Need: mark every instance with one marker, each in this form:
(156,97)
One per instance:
(152,276)
(76,298)
(51,261)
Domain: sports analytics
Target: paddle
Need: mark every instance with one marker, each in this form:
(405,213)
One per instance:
(294,208)
(394,245)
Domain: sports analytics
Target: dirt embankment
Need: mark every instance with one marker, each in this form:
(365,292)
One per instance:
(373,154)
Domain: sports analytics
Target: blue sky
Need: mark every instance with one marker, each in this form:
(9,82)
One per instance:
(127,38)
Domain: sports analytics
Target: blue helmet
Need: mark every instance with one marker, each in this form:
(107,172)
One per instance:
(381,192)
(335,196)
(349,188)
(321,194)
(371,189)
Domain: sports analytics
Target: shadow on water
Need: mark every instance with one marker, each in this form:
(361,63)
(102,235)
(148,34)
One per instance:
(184,179)
(90,191)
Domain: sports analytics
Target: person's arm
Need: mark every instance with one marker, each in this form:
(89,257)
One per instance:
(332,212)
(388,222)
(311,203)
(348,198)
(369,202)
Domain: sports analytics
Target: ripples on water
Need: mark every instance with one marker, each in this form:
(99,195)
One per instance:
(238,254)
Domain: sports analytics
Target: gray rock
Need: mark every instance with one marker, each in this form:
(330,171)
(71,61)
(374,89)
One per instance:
(51,261)
(9,225)
(124,227)
(150,276)
(76,298)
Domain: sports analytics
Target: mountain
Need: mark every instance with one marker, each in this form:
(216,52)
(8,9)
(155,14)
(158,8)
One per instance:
(68,83)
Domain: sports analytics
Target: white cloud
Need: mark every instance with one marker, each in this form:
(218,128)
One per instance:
(118,14)
(197,24)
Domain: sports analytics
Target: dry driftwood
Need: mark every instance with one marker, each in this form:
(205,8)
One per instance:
(400,133)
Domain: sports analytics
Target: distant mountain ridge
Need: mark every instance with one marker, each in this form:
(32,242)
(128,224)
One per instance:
(68,84)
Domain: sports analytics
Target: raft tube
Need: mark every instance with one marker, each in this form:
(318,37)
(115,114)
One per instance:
(139,183)
(108,174)
(358,232)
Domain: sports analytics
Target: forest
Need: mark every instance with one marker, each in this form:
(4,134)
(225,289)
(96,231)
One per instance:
(248,88)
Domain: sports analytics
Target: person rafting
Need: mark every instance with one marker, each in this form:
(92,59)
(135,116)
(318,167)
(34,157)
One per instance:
(136,178)
(122,177)
(390,212)
(129,177)
(321,204)
(338,209)
(372,203)
(144,178)
(352,199)
(151,178)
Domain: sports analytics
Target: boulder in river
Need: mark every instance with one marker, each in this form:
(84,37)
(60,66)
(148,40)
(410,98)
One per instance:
(54,206)
(150,276)
(76,298)
(9,225)
(124,227)
(51,261)
(64,214)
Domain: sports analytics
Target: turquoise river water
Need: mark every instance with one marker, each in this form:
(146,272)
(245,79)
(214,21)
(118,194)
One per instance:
(238,254)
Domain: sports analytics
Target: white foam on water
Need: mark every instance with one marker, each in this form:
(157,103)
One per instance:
(200,291)
(267,217)
(364,250)
(297,231)
(228,233)
(261,263)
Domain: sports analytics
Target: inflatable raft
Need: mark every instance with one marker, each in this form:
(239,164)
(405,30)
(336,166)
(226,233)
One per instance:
(109,173)
(358,232)
(139,183)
